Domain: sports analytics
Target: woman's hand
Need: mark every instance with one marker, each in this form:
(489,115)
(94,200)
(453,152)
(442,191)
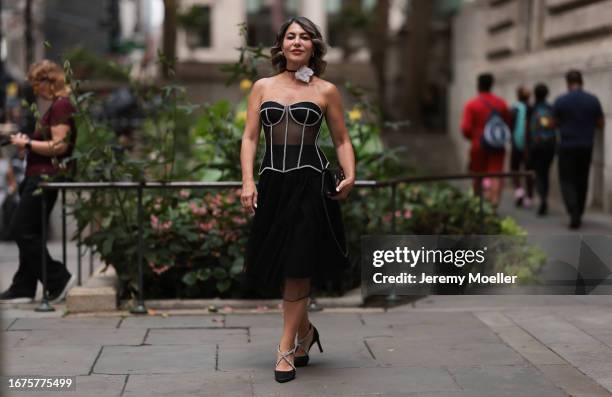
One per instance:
(19,140)
(343,189)
(248,197)
(342,141)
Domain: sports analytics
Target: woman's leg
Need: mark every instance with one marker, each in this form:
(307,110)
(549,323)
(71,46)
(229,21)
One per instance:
(295,300)
(302,331)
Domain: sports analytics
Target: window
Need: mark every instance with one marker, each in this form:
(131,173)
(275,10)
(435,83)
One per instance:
(261,16)
(197,24)
(343,15)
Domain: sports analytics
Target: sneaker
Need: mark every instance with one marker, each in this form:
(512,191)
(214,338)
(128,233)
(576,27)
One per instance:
(519,194)
(9,296)
(527,202)
(57,297)
(543,210)
(575,223)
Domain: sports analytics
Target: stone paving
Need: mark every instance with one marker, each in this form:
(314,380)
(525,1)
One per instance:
(437,346)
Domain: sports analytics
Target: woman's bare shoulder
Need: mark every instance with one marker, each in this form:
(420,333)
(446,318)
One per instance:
(261,83)
(323,84)
(325,87)
(328,90)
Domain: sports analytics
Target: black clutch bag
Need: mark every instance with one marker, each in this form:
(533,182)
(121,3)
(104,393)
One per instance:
(331,179)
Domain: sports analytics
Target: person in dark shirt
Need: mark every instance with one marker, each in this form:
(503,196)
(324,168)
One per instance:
(51,143)
(541,143)
(577,114)
(520,114)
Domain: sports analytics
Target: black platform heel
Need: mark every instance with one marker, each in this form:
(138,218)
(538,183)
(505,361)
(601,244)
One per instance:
(285,376)
(302,361)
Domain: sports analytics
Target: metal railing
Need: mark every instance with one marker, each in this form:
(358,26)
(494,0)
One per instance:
(140,308)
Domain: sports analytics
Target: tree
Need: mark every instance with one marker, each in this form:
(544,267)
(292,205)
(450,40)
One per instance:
(379,43)
(415,59)
(29,40)
(169,43)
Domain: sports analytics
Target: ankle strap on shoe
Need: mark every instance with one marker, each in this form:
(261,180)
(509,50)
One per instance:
(284,355)
(301,342)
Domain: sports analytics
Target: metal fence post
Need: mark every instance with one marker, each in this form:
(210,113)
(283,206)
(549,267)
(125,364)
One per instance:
(91,226)
(140,307)
(393,194)
(392,297)
(79,270)
(64,244)
(481,204)
(44,304)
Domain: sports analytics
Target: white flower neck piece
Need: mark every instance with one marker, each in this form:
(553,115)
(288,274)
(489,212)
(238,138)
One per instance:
(304,73)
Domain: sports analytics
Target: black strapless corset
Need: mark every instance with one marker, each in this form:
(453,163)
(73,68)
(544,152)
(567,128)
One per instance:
(291,133)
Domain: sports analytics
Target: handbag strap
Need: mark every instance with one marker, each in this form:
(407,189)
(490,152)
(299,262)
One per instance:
(344,250)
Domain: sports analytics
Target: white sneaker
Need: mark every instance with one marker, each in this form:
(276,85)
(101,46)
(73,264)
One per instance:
(57,299)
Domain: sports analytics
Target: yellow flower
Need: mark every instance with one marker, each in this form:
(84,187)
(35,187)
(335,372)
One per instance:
(245,84)
(12,89)
(241,116)
(354,114)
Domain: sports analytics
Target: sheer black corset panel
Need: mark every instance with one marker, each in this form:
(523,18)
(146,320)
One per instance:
(291,133)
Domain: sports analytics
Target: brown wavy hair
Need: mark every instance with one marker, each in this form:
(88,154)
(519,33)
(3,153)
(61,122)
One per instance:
(316,63)
(48,72)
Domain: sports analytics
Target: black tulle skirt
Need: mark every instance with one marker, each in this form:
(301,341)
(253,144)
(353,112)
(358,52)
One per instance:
(297,237)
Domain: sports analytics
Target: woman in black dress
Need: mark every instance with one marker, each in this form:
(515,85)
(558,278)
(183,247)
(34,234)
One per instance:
(297,237)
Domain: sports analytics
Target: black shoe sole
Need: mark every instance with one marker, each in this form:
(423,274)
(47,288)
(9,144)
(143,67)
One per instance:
(301,361)
(284,376)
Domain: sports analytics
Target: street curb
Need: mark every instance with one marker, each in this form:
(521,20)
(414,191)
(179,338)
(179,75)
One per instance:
(99,293)
(352,299)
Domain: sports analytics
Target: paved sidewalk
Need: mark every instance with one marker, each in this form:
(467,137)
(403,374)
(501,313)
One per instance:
(442,346)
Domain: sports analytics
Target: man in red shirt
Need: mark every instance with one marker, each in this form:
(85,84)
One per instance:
(475,116)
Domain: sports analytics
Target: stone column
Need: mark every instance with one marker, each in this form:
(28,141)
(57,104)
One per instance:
(316,11)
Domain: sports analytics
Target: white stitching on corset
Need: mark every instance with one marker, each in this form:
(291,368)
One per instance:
(268,118)
(283,116)
(285,145)
(290,169)
(302,142)
(317,147)
(308,109)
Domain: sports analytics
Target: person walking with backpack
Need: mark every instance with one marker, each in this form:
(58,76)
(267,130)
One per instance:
(520,113)
(485,124)
(578,114)
(542,140)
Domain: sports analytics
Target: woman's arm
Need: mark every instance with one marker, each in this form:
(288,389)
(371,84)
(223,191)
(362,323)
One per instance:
(248,149)
(334,116)
(52,148)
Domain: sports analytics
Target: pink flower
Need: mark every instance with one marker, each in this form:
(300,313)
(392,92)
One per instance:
(217,200)
(398,213)
(387,218)
(407,214)
(161,269)
(184,193)
(195,210)
(239,220)
(230,199)
(486,183)
(154,221)
(208,226)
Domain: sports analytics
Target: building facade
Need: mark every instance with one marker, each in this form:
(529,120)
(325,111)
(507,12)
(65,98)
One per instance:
(531,41)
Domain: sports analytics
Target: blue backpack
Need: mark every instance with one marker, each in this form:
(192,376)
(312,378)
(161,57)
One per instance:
(496,132)
(542,126)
